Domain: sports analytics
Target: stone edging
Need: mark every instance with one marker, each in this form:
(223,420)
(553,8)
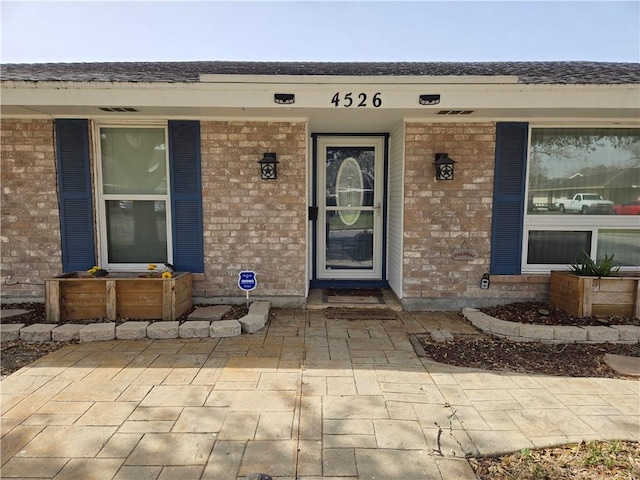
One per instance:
(551,334)
(138,330)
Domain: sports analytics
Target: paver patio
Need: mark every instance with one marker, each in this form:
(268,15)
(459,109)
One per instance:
(304,398)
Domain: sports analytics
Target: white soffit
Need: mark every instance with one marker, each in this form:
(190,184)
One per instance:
(364,79)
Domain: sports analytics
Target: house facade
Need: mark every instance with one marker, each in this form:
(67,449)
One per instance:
(317,175)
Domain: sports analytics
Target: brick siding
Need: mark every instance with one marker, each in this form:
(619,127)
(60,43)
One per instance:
(443,215)
(249,223)
(30,225)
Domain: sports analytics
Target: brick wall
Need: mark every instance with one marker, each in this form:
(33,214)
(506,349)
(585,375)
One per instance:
(30,226)
(443,215)
(249,223)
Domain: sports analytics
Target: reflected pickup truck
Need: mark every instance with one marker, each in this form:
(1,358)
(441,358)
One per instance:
(585,203)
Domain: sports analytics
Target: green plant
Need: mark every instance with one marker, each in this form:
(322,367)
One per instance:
(591,268)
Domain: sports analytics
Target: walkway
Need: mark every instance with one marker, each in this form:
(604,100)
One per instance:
(305,398)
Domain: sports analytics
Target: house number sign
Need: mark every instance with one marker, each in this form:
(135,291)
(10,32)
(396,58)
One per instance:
(357,99)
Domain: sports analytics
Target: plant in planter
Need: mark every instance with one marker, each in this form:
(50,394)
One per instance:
(591,268)
(595,288)
(153,272)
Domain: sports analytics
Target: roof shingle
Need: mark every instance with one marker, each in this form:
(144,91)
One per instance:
(189,72)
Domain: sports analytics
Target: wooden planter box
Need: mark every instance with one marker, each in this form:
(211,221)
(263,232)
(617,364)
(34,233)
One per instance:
(76,296)
(595,296)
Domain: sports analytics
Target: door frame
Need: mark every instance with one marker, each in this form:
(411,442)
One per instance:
(314,218)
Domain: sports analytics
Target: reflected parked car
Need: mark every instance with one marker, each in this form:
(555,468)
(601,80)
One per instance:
(631,208)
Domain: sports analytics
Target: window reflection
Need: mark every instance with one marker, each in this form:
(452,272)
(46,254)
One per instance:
(564,162)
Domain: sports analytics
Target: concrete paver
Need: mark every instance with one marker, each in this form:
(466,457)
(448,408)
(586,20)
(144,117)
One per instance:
(305,398)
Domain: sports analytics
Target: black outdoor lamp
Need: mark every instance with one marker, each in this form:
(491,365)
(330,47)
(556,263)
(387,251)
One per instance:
(444,167)
(269,166)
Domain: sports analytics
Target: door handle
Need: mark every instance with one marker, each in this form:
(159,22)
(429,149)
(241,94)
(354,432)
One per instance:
(313,214)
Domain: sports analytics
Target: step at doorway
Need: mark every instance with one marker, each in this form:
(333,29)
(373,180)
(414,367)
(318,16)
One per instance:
(382,298)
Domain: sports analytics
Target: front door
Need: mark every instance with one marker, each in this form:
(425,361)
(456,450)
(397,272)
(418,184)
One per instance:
(350,223)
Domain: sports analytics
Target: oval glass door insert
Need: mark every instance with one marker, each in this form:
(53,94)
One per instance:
(349,190)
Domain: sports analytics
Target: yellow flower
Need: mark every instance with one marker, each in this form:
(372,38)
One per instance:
(151,267)
(166,275)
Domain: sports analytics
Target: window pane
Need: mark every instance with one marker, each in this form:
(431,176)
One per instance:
(350,174)
(603,164)
(133,160)
(624,245)
(349,245)
(137,231)
(557,247)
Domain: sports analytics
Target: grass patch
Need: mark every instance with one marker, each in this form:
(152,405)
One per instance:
(614,460)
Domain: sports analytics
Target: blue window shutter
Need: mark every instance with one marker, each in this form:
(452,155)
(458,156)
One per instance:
(74,191)
(186,195)
(508,198)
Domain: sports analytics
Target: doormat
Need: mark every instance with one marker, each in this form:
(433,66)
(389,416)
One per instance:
(360,313)
(360,296)
(354,292)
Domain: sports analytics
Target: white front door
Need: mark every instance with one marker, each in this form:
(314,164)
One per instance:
(350,214)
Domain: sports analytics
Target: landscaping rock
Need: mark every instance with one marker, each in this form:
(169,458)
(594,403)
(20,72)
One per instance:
(98,332)
(625,365)
(225,328)
(66,333)
(601,334)
(508,329)
(213,313)
(10,332)
(441,336)
(12,312)
(194,329)
(478,319)
(252,323)
(569,334)
(628,333)
(38,332)
(260,308)
(132,331)
(537,332)
(163,330)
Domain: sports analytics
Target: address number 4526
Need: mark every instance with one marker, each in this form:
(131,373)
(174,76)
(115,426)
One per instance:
(356,100)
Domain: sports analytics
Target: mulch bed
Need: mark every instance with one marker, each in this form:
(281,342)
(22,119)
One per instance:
(566,359)
(545,314)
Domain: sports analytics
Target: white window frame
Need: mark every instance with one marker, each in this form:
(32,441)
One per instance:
(571,223)
(100,197)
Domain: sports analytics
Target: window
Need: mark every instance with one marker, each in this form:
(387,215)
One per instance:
(133,194)
(578,180)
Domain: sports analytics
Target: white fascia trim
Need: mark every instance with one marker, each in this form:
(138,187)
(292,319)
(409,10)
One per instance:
(360,79)
(537,122)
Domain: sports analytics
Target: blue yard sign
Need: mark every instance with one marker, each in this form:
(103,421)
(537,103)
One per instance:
(247,280)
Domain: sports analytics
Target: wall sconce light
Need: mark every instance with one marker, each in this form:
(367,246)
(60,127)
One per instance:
(284,98)
(444,167)
(268,166)
(429,99)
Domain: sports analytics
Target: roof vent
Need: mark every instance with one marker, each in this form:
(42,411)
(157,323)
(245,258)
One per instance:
(119,109)
(455,112)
